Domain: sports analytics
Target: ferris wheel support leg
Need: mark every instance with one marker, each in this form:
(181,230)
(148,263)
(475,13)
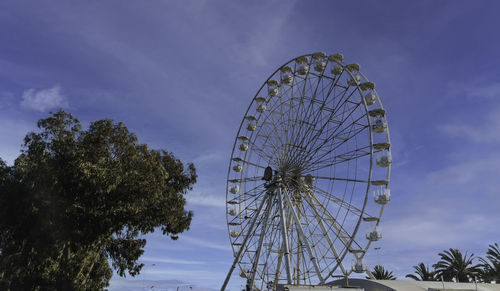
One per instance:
(325,233)
(334,222)
(261,242)
(304,240)
(284,234)
(369,273)
(243,245)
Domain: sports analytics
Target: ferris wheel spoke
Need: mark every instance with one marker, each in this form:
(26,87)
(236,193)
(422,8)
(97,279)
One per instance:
(320,111)
(325,161)
(305,116)
(339,179)
(312,229)
(260,148)
(299,109)
(337,135)
(338,159)
(340,202)
(327,236)
(343,234)
(360,152)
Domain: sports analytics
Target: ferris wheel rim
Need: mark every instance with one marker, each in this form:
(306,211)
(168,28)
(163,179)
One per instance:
(368,182)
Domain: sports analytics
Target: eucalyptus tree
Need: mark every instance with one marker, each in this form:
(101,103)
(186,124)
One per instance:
(423,273)
(380,273)
(77,200)
(457,266)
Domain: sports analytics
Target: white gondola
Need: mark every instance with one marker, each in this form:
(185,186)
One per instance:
(370,98)
(261,105)
(286,75)
(336,58)
(354,80)
(337,69)
(232,211)
(352,68)
(251,126)
(302,65)
(379,124)
(238,168)
(243,147)
(235,233)
(235,189)
(382,196)
(374,234)
(272,88)
(319,61)
(358,266)
(384,158)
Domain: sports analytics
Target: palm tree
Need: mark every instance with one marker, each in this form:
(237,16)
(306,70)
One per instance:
(454,265)
(423,272)
(380,273)
(491,266)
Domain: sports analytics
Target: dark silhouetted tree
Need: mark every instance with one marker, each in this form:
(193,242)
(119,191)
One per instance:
(380,273)
(491,265)
(454,265)
(422,273)
(77,199)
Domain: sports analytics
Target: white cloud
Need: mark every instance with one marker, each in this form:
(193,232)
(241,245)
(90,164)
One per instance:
(205,243)
(44,99)
(187,273)
(490,91)
(468,172)
(172,261)
(122,284)
(205,200)
(486,131)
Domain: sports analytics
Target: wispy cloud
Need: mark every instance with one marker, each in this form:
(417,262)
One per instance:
(172,261)
(44,99)
(183,273)
(486,131)
(488,91)
(467,172)
(205,243)
(122,284)
(205,200)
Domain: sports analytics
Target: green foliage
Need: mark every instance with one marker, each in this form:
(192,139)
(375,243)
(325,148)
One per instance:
(423,273)
(454,265)
(76,199)
(380,273)
(491,265)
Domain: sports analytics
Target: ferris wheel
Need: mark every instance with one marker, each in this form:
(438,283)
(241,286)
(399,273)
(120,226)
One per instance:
(311,149)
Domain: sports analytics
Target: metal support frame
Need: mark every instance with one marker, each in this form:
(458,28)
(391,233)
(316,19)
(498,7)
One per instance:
(304,240)
(261,241)
(243,244)
(325,233)
(284,234)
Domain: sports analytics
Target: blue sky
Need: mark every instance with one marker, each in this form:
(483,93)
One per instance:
(180,74)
